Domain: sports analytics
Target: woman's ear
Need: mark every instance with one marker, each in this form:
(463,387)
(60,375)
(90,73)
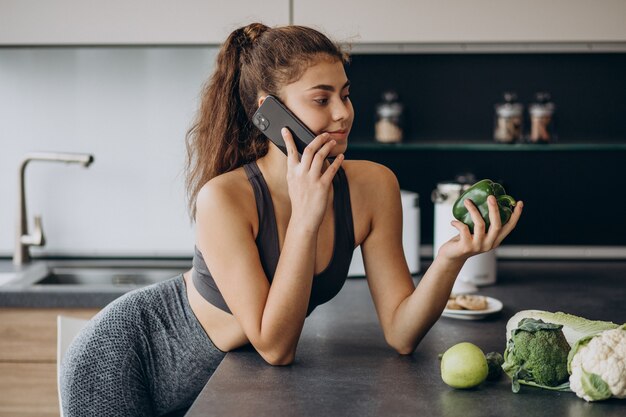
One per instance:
(262,99)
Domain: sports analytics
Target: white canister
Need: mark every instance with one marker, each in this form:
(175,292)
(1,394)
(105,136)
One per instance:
(410,237)
(479,269)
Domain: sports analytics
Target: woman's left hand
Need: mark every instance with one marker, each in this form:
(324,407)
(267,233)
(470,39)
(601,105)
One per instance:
(466,244)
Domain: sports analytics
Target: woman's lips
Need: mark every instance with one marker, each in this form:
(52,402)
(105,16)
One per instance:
(338,135)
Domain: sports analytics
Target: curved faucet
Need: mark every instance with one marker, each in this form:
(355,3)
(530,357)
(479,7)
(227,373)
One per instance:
(23,239)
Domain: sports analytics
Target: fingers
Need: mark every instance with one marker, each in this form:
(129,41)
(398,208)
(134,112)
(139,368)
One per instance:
(510,225)
(464,232)
(477,218)
(471,244)
(312,149)
(330,172)
(495,221)
(292,151)
(314,154)
(321,155)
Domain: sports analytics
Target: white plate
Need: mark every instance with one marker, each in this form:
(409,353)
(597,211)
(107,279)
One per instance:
(493,306)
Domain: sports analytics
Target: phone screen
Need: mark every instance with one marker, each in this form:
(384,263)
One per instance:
(272,116)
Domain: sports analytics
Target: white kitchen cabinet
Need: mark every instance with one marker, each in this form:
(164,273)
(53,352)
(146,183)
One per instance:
(119,22)
(462,21)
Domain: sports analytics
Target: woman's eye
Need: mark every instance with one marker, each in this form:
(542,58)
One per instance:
(324,101)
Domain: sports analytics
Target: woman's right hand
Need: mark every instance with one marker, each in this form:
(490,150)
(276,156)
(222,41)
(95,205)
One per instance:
(308,182)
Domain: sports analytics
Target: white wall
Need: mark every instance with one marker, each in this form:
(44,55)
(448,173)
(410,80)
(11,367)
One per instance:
(131,108)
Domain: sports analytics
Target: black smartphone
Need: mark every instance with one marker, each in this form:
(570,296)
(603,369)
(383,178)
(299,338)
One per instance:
(272,116)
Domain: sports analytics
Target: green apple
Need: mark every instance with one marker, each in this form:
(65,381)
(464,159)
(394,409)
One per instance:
(464,366)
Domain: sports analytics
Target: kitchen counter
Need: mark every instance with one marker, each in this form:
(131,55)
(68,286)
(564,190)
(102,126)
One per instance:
(53,298)
(344,367)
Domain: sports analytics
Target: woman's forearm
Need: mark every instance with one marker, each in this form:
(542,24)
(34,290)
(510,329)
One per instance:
(419,311)
(288,298)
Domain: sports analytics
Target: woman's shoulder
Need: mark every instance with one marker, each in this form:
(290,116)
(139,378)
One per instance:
(227,190)
(366,176)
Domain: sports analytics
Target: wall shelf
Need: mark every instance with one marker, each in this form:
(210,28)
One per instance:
(483,146)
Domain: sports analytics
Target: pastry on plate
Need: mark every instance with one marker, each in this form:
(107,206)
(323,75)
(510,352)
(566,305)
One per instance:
(471,301)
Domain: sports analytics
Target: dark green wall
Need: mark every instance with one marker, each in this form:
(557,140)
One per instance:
(452,96)
(571,197)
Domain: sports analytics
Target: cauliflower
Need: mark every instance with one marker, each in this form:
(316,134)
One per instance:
(597,364)
(536,354)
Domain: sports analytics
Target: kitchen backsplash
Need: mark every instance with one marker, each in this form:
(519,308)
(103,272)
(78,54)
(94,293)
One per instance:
(131,108)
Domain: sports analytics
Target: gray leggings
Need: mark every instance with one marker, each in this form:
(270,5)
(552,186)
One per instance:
(145,354)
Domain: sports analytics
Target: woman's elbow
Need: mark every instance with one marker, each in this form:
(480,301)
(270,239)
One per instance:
(401,347)
(278,358)
(404,350)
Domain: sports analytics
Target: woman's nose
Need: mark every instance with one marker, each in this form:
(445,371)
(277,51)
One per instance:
(341,110)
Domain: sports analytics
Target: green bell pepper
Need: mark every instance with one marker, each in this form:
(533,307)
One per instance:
(478,193)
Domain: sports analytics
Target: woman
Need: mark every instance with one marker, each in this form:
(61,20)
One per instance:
(274,238)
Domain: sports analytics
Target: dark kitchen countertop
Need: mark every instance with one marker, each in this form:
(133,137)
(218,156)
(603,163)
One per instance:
(344,367)
(45,298)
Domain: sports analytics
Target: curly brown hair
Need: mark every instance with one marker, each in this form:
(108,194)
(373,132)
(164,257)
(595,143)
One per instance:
(254,60)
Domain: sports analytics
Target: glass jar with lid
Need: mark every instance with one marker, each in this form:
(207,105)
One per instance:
(541,119)
(389,118)
(508,119)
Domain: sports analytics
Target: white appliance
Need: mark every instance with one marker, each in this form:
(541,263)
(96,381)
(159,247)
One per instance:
(410,237)
(479,269)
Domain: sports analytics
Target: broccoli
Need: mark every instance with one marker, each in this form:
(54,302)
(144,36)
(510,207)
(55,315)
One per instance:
(536,354)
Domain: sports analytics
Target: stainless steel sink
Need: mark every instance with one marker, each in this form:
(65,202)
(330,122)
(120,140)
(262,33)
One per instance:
(105,276)
(92,275)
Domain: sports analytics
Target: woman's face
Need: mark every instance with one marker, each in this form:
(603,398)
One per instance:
(320,98)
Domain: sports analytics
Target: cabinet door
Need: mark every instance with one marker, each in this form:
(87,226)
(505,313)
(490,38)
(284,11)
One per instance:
(30,335)
(462,21)
(28,389)
(115,22)
(28,344)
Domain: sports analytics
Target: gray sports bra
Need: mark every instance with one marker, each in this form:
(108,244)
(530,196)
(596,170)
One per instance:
(327,283)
